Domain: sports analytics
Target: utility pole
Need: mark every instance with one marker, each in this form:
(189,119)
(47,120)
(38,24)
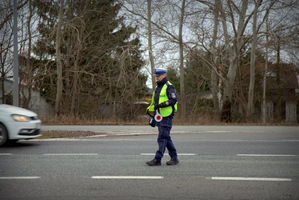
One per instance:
(15,62)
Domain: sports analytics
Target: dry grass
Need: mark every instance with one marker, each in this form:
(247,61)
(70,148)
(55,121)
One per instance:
(75,120)
(66,134)
(203,119)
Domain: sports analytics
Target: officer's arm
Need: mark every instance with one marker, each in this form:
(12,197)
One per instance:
(172,99)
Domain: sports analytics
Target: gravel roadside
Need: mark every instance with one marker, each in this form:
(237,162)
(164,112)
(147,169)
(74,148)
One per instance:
(66,134)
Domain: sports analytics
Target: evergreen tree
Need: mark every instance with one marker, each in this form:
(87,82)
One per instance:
(101,58)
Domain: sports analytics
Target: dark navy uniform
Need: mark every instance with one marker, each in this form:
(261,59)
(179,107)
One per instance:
(164,139)
(164,101)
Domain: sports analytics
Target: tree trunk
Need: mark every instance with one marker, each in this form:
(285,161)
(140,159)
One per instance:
(58,60)
(74,93)
(234,51)
(68,59)
(182,74)
(150,51)
(278,79)
(214,79)
(29,67)
(226,89)
(250,105)
(264,114)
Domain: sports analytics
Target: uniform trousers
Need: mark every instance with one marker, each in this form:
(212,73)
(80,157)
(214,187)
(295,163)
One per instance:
(164,139)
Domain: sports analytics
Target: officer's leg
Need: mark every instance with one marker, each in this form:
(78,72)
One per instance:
(170,146)
(164,131)
(171,149)
(162,144)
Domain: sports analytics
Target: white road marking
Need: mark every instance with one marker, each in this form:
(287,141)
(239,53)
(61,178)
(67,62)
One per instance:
(137,133)
(70,154)
(216,131)
(179,154)
(5,154)
(265,155)
(127,177)
(249,179)
(59,139)
(19,177)
(287,140)
(95,136)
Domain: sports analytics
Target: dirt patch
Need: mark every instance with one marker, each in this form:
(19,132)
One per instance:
(67,134)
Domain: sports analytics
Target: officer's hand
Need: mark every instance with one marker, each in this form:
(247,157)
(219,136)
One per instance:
(157,106)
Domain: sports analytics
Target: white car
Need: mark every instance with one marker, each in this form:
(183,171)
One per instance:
(17,123)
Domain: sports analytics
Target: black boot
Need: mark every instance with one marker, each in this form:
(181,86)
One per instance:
(173,161)
(154,162)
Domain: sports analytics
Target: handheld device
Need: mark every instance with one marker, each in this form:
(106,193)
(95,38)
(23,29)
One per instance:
(152,122)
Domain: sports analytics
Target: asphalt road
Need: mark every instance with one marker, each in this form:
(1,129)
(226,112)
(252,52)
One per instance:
(215,163)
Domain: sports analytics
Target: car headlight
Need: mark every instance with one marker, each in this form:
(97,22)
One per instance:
(20,118)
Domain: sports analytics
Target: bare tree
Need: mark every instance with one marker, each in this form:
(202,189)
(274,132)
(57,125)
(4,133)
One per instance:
(58,60)
(29,67)
(235,33)
(150,48)
(255,31)
(264,114)
(165,30)
(5,53)
(250,105)
(9,11)
(6,42)
(214,78)
(234,46)
(181,46)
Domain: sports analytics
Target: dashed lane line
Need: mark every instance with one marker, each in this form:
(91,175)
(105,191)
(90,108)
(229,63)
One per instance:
(265,155)
(5,154)
(71,154)
(179,154)
(19,177)
(127,177)
(249,179)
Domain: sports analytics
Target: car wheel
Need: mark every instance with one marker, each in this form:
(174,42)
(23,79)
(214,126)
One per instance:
(3,135)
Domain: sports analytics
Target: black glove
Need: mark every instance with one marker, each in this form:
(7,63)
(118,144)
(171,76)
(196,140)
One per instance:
(158,106)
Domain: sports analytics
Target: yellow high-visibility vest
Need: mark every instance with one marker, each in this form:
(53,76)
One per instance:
(166,111)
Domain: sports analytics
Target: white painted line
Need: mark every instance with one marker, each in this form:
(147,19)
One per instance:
(217,131)
(137,133)
(265,155)
(287,140)
(179,154)
(249,179)
(19,177)
(59,139)
(127,177)
(95,136)
(5,154)
(70,154)
(147,154)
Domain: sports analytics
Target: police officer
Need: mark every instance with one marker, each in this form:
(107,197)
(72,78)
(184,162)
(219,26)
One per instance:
(164,101)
